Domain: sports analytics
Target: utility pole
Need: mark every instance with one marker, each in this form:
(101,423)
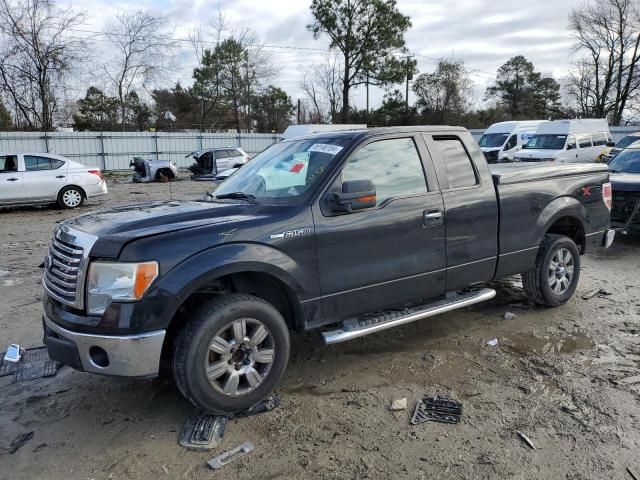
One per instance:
(298,119)
(409,76)
(367,116)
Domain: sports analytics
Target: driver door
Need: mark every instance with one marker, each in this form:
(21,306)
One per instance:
(11,180)
(392,253)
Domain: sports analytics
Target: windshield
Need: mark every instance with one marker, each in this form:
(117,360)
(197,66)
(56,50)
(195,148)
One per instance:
(285,172)
(626,141)
(493,140)
(547,142)
(627,161)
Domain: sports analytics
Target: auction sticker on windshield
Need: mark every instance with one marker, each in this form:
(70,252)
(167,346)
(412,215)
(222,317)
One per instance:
(325,148)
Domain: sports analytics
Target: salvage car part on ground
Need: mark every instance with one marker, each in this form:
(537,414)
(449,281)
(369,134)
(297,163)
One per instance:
(203,432)
(210,163)
(35,363)
(148,170)
(227,457)
(437,409)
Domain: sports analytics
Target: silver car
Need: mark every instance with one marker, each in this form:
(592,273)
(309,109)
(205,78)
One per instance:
(211,161)
(34,178)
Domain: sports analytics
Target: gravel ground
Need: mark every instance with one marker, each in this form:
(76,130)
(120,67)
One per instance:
(557,375)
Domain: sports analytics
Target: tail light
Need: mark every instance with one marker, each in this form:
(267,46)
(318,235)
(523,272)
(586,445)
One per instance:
(607,195)
(96,172)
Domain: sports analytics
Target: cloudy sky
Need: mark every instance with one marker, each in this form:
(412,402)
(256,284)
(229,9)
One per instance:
(484,33)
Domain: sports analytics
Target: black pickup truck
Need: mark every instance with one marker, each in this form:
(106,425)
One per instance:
(352,231)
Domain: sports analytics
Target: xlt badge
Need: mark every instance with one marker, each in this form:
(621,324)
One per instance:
(298,232)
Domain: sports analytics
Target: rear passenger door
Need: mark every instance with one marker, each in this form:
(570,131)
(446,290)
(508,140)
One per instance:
(43,177)
(585,153)
(389,254)
(471,211)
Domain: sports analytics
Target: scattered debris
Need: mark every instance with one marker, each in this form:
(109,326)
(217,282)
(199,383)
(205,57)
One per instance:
(35,363)
(203,432)
(266,405)
(493,342)
(597,292)
(628,380)
(165,469)
(19,441)
(400,404)
(526,439)
(226,457)
(509,316)
(437,409)
(13,353)
(633,475)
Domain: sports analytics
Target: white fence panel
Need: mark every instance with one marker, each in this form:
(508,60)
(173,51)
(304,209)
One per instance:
(114,150)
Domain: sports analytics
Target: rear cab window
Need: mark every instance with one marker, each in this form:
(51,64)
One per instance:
(459,167)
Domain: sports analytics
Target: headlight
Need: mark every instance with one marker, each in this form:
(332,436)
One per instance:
(117,281)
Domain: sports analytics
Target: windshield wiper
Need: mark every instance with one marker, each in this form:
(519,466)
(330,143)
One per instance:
(241,195)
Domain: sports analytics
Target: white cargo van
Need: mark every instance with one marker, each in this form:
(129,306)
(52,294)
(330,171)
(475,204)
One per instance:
(567,141)
(502,140)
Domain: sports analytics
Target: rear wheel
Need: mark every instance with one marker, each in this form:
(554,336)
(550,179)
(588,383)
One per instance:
(555,277)
(70,197)
(231,354)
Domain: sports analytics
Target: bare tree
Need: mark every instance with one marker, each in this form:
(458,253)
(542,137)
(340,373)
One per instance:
(37,51)
(608,31)
(143,48)
(323,85)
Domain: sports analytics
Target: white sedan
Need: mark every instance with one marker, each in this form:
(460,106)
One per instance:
(32,178)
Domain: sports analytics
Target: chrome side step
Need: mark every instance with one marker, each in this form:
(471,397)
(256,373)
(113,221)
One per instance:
(355,328)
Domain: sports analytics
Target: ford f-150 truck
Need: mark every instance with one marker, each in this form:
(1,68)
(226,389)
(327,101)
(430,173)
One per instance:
(353,232)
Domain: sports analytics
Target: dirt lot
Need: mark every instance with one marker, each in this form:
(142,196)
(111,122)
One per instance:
(557,375)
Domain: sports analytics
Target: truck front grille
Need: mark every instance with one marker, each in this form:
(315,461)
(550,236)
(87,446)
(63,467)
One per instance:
(65,266)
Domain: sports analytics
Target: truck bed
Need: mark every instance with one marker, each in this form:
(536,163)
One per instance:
(530,195)
(508,173)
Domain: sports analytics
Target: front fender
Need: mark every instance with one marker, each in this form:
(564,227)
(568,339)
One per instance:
(202,268)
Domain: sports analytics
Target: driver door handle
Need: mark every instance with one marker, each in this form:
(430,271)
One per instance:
(12,179)
(432,217)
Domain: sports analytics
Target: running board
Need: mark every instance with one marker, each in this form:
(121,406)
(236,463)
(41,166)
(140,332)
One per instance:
(359,327)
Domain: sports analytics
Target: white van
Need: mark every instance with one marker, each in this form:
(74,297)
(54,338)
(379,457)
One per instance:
(567,141)
(502,140)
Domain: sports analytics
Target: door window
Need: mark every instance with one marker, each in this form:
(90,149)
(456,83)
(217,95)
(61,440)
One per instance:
(8,163)
(457,163)
(392,165)
(511,143)
(33,163)
(571,142)
(584,140)
(222,154)
(233,153)
(599,138)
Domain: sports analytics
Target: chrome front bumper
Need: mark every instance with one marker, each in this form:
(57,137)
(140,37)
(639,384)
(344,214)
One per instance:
(122,356)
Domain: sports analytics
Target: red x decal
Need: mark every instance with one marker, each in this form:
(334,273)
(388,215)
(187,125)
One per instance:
(586,191)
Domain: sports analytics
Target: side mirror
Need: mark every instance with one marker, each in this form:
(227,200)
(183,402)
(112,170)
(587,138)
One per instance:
(570,147)
(611,144)
(355,195)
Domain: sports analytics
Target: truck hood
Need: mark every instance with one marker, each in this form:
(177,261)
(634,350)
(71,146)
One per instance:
(625,182)
(152,218)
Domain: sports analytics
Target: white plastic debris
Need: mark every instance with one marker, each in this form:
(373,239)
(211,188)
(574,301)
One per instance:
(400,404)
(509,315)
(493,342)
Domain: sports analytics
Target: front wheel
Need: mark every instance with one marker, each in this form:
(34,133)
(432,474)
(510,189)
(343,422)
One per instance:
(231,354)
(555,277)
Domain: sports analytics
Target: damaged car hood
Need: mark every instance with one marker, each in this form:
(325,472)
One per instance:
(157,217)
(625,182)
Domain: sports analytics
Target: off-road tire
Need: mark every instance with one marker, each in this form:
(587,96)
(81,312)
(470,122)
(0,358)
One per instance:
(536,281)
(67,193)
(192,344)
